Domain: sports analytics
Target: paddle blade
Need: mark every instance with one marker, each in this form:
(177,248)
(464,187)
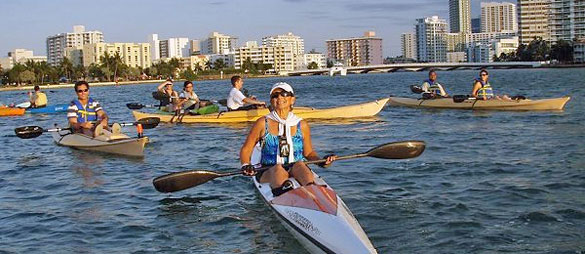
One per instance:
(460,98)
(27,132)
(398,150)
(134,105)
(416,89)
(183,180)
(148,122)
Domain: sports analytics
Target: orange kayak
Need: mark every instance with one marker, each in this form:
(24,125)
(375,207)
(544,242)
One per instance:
(5,111)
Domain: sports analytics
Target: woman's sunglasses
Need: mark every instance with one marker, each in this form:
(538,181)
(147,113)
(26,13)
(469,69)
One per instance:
(283,94)
(82,90)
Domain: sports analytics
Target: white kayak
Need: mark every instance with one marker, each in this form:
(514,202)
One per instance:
(115,144)
(317,217)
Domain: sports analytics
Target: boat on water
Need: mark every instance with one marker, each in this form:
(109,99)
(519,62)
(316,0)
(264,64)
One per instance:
(349,111)
(120,144)
(49,109)
(337,68)
(493,104)
(316,216)
(7,111)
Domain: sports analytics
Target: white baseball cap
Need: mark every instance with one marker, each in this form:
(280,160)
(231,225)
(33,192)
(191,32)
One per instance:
(282,85)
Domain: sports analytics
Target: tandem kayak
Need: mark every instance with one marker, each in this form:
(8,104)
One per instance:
(316,216)
(6,111)
(350,111)
(449,103)
(49,109)
(115,144)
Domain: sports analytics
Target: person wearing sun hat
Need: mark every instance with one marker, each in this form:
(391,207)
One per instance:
(286,143)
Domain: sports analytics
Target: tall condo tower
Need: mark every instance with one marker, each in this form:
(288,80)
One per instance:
(460,16)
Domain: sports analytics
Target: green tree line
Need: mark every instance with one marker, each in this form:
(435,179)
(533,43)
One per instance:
(540,50)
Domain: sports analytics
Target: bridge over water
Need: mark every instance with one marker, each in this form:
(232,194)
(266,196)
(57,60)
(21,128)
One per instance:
(418,67)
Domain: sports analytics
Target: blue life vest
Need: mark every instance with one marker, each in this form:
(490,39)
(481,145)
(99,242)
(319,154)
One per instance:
(271,147)
(434,87)
(485,90)
(85,114)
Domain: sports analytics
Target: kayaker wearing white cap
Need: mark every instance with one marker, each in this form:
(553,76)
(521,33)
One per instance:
(285,138)
(236,99)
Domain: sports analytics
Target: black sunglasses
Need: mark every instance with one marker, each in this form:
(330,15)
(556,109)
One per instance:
(283,94)
(82,90)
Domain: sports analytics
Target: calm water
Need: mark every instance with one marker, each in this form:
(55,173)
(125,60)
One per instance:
(489,182)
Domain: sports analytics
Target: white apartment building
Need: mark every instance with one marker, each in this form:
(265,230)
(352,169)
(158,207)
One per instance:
(218,43)
(302,62)
(498,17)
(194,62)
(505,45)
(6,63)
(20,56)
(456,57)
(57,44)
(296,43)
(533,20)
(487,38)
(132,54)
(281,58)
(227,58)
(460,16)
(479,53)
(154,47)
(431,44)
(579,52)
(567,20)
(194,47)
(408,45)
(174,48)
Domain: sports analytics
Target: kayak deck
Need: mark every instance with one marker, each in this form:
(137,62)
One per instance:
(121,145)
(512,105)
(349,111)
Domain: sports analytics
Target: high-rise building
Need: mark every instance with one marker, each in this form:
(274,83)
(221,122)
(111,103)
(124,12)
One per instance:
(303,61)
(408,45)
(498,17)
(174,48)
(533,20)
(195,47)
(132,54)
(296,43)
(154,46)
(20,56)
(56,44)
(431,43)
(567,20)
(218,43)
(476,25)
(279,57)
(460,16)
(366,50)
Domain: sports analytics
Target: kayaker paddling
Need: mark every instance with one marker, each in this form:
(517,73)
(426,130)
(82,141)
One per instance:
(237,100)
(285,138)
(482,89)
(432,88)
(38,99)
(85,114)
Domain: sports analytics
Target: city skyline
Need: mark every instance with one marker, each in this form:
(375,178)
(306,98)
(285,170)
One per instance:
(32,21)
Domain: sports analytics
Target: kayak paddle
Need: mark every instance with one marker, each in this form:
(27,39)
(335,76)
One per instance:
(186,179)
(139,106)
(27,132)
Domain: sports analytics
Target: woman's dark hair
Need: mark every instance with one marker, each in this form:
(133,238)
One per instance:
(37,87)
(187,83)
(484,71)
(80,83)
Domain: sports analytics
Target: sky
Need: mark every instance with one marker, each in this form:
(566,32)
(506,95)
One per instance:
(27,23)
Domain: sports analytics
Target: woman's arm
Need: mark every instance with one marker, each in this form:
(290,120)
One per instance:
(251,140)
(476,87)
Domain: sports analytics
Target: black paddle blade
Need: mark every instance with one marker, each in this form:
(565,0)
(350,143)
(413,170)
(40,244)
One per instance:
(134,105)
(27,132)
(398,150)
(183,180)
(148,122)
(416,89)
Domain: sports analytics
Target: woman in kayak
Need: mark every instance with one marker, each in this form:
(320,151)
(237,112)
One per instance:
(188,99)
(482,89)
(168,96)
(286,143)
(38,99)
(85,114)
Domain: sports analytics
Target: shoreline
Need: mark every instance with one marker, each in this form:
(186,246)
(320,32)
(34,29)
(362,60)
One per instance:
(122,83)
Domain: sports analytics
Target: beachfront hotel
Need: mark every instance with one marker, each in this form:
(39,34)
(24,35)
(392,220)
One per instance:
(296,43)
(218,43)
(132,54)
(431,41)
(498,17)
(533,16)
(567,20)
(280,57)
(362,51)
(57,44)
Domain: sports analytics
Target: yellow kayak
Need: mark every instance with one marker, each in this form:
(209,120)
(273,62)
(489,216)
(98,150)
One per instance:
(520,105)
(350,111)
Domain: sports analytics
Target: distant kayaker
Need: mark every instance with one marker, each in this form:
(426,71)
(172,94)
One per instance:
(482,89)
(432,87)
(84,113)
(285,138)
(236,99)
(38,99)
(168,96)
(188,99)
